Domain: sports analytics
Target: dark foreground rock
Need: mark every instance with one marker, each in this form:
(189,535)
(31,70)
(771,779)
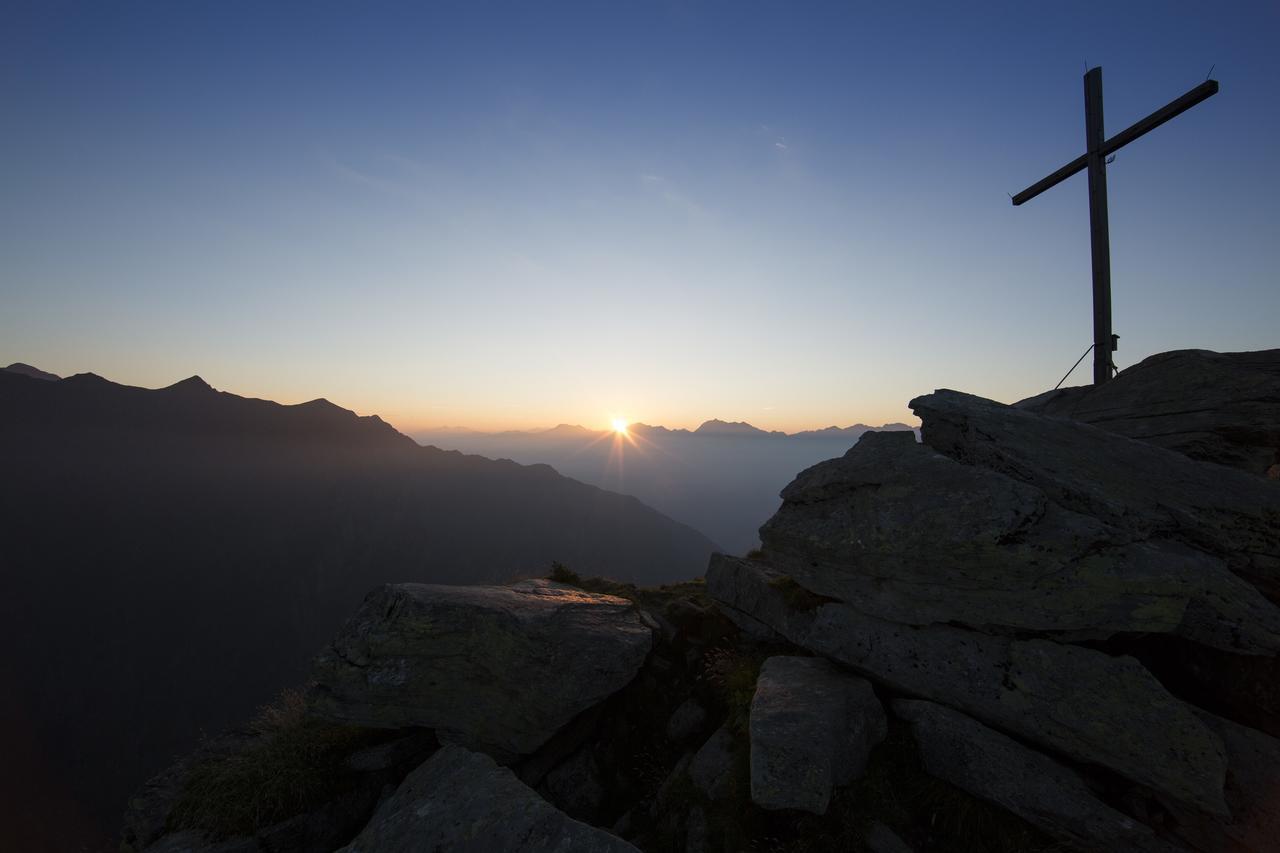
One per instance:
(463,801)
(1220,407)
(1080,702)
(812,728)
(499,669)
(990,765)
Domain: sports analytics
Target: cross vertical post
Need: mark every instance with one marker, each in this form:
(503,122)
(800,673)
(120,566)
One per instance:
(1094,161)
(1099,237)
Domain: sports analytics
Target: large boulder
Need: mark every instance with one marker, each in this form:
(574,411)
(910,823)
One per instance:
(812,727)
(989,765)
(1216,407)
(462,801)
(1145,492)
(1082,703)
(498,668)
(711,769)
(912,536)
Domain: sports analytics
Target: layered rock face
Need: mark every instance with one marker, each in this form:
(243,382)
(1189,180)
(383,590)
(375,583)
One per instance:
(999,571)
(1216,407)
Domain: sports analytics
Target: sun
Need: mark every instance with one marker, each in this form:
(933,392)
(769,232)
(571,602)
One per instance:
(619,426)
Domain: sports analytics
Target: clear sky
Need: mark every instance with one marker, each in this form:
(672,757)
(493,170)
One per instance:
(513,215)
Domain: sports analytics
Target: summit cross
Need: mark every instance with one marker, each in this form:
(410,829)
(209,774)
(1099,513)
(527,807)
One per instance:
(1097,149)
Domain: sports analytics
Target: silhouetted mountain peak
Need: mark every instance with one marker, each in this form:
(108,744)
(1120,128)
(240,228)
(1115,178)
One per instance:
(89,379)
(715,426)
(567,429)
(190,385)
(33,372)
(320,404)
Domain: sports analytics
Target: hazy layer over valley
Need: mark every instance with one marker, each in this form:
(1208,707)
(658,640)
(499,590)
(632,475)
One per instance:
(723,478)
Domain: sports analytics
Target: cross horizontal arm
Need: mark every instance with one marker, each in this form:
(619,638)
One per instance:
(1160,116)
(1053,180)
(1124,137)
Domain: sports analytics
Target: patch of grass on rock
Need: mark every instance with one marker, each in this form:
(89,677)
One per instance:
(652,598)
(291,763)
(560,573)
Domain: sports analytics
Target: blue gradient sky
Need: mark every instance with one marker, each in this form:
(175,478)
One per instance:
(515,215)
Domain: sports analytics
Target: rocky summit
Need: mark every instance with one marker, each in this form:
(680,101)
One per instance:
(1047,626)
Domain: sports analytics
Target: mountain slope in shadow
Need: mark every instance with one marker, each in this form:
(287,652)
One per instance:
(173,557)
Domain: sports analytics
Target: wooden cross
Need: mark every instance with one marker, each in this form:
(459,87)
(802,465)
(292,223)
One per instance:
(1097,149)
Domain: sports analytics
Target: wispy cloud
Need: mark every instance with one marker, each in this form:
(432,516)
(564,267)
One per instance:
(385,185)
(674,196)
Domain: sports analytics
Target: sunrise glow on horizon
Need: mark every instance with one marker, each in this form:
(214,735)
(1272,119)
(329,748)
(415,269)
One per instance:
(768,214)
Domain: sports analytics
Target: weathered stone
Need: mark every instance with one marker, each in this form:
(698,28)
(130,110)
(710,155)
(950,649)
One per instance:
(669,784)
(1216,407)
(910,535)
(324,829)
(697,832)
(685,720)
(189,841)
(989,765)
(463,801)
(498,668)
(1082,703)
(712,767)
(1145,491)
(413,747)
(1252,792)
(881,839)
(812,727)
(575,787)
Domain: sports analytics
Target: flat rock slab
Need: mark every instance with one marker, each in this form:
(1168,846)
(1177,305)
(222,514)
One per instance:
(996,768)
(913,536)
(1146,491)
(1082,703)
(812,728)
(462,802)
(498,668)
(1220,407)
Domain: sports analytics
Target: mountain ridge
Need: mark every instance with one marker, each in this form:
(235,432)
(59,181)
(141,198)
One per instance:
(240,531)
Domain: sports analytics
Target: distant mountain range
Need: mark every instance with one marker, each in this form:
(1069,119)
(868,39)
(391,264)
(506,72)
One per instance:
(172,557)
(722,478)
(713,427)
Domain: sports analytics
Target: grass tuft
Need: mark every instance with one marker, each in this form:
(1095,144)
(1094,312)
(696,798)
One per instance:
(560,573)
(733,673)
(292,764)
